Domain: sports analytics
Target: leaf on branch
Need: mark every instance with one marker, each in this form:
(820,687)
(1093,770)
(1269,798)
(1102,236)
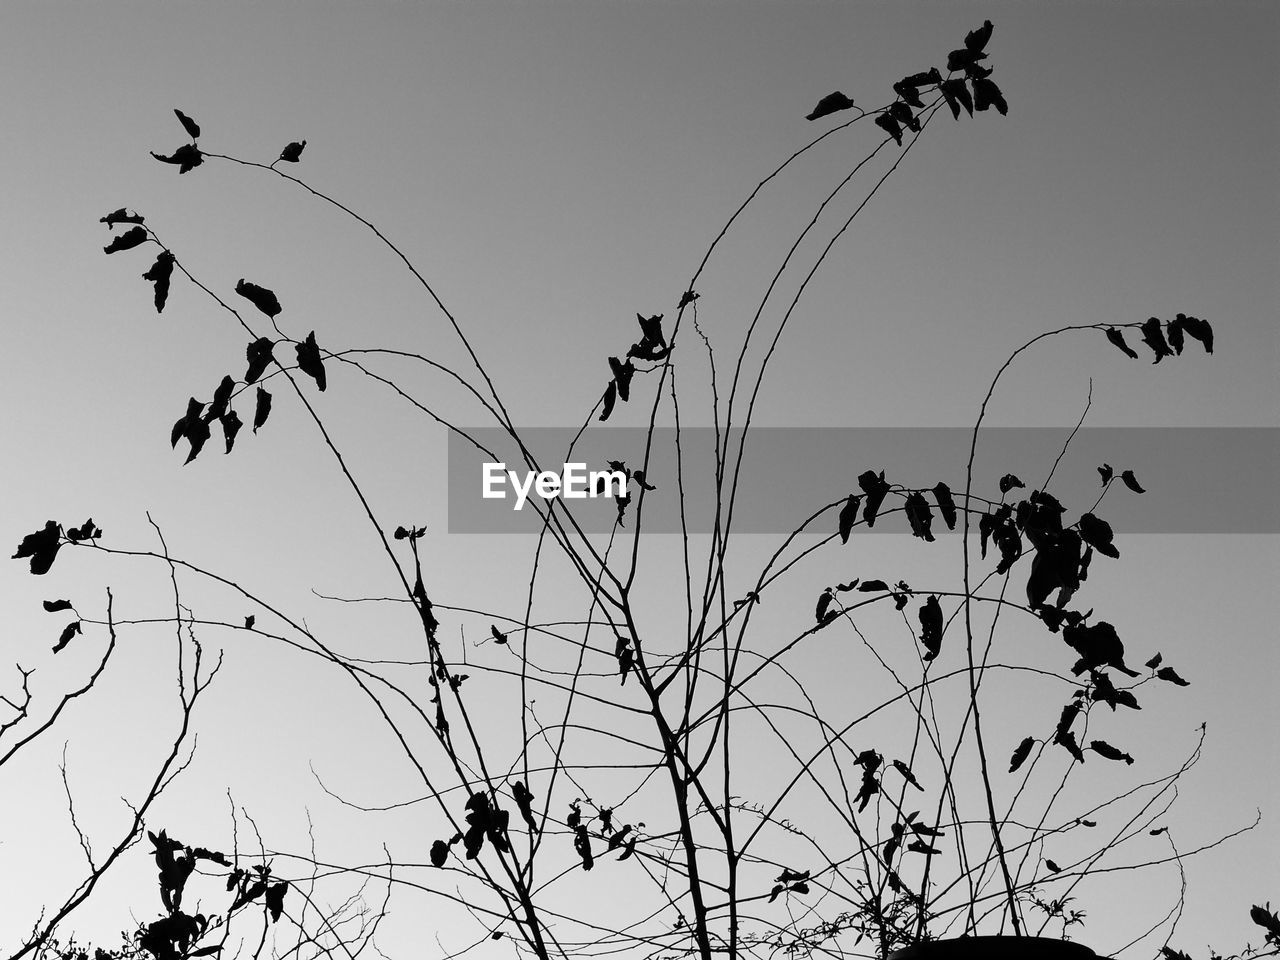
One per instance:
(127,240)
(262,298)
(1198,329)
(976,40)
(831,103)
(919,516)
(1104,749)
(875,487)
(909,92)
(1116,337)
(1063,735)
(1020,754)
(931,628)
(439,853)
(41,546)
(1106,473)
(946,504)
(275,899)
(71,630)
(498,636)
(622,373)
(221,397)
(1106,691)
(1098,645)
(187,157)
(957,95)
(309,361)
(582,844)
(986,95)
(1155,661)
(160,273)
(1170,675)
(1171,954)
(1265,918)
(1098,534)
(1131,482)
(1153,337)
(1052,867)
(890,126)
(262,409)
(259,355)
(902,113)
(610,396)
(193,427)
(873,586)
(821,614)
(254,891)
(54,606)
(189,125)
(1009,482)
(524,801)
(910,777)
(848,514)
(293,151)
(121,216)
(230,427)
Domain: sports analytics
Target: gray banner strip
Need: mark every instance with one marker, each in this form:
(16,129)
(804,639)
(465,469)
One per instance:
(1198,479)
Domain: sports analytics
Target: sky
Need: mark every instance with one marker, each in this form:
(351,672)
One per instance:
(553,168)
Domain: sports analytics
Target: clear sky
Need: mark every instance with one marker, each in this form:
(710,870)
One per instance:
(554,168)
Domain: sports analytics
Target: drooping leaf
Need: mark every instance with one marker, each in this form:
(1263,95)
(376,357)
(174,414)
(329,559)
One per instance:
(1171,675)
(439,853)
(610,395)
(976,40)
(622,373)
(986,95)
(1131,482)
(902,113)
(910,777)
(946,504)
(1020,753)
(187,157)
(259,356)
(909,93)
(919,515)
(262,409)
(1104,749)
(262,298)
(1009,482)
(309,361)
(221,397)
(121,216)
(1199,330)
(957,96)
(275,899)
(498,636)
(1153,337)
(875,487)
(1098,534)
(230,427)
(1106,692)
(824,601)
(56,606)
(127,240)
(831,103)
(189,125)
(1116,337)
(1098,645)
(931,628)
(848,514)
(582,844)
(1106,473)
(71,630)
(890,126)
(1174,332)
(293,151)
(41,547)
(524,801)
(160,273)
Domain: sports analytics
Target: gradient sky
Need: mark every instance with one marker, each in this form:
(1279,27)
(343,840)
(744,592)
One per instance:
(554,168)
